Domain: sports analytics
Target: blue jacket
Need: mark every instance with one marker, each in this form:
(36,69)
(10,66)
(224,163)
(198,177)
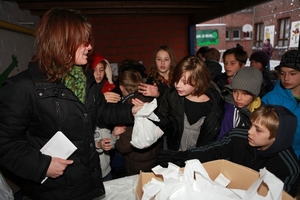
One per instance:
(281,96)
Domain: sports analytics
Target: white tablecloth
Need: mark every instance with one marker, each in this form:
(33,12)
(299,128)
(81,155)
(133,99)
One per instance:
(121,188)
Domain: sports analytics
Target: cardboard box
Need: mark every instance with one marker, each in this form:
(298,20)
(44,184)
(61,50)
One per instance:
(240,177)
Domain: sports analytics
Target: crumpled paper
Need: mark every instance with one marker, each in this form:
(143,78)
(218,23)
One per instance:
(145,132)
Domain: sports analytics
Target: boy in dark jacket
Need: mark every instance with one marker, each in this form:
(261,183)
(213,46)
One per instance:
(242,100)
(268,143)
(134,159)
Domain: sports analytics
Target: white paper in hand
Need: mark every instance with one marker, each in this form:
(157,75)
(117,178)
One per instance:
(58,146)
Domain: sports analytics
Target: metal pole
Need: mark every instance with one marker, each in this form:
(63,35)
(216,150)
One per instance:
(16,28)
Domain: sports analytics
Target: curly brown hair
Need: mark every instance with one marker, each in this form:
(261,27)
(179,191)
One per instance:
(61,32)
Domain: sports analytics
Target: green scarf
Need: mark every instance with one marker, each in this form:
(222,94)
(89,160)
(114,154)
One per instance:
(76,81)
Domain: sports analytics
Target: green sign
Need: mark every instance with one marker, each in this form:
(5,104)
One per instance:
(207,37)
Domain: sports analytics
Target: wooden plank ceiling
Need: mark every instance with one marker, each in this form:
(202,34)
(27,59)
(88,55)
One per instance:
(198,10)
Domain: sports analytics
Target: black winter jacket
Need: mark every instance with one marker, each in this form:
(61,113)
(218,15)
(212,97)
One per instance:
(32,111)
(171,114)
(136,160)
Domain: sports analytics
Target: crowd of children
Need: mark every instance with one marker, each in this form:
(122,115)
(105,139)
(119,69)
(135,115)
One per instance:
(207,114)
(241,115)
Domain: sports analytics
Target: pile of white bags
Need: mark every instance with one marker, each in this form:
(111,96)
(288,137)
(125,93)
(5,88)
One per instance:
(195,183)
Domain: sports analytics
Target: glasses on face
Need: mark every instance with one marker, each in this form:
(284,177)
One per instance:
(88,42)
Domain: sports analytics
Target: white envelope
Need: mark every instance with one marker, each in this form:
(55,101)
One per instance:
(58,146)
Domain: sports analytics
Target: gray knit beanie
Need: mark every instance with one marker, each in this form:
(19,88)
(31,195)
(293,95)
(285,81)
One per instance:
(248,79)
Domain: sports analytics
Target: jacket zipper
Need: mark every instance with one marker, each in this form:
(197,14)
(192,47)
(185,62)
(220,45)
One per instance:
(58,115)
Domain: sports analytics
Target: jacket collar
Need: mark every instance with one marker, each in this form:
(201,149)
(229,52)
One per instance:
(39,76)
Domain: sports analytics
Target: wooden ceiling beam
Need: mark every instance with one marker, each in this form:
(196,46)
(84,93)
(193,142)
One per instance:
(191,5)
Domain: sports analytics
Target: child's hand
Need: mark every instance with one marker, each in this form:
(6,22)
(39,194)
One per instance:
(118,130)
(104,144)
(112,97)
(138,104)
(148,90)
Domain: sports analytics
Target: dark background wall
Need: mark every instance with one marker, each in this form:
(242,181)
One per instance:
(137,37)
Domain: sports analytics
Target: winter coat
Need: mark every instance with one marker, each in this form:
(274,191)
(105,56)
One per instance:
(281,96)
(267,84)
(221,81)
(171,114)
(33,110)
(230,109)
(136,159)
(214,67)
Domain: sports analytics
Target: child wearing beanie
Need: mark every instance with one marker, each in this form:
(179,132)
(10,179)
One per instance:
(286,91)
(260,60)
(243,99)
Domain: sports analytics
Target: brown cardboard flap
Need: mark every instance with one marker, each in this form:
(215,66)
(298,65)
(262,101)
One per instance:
(240,177)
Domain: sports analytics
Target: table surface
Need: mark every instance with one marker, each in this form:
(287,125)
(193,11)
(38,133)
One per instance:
(121,188)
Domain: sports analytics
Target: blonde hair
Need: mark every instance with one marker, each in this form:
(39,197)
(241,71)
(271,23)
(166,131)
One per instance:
(267,115)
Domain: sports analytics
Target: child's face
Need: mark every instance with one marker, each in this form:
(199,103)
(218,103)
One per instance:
(163,62)
(242,98)
(99,72)
(289,77)
(231,65)
(258,136)
(256,65)
(182,87)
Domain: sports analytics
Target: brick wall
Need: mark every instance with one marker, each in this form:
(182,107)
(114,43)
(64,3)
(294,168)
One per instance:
(230,22)
(11,42)
(270,13)
(137,37)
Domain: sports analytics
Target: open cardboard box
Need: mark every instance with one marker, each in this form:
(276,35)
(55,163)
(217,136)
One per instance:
(240,177)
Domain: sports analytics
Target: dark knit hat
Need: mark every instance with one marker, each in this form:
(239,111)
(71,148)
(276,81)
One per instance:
(202,50)
(260,56)
(248,79)
(290,59)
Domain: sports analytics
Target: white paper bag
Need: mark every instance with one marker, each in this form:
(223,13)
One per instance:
(5,191)
(275,186)
(145,132)
(178,185)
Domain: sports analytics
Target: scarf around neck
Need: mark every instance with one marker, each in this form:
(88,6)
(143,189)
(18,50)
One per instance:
(76,81)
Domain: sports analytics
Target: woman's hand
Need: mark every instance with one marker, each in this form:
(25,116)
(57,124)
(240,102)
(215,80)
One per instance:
(57,167)
(112,97)
(148,90)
